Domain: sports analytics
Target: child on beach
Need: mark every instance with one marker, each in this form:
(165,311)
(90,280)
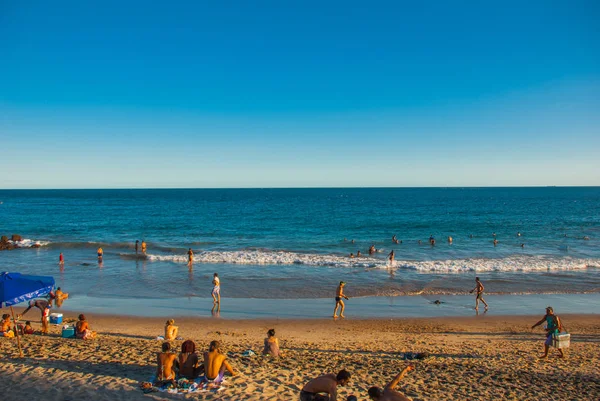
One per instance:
(28,329)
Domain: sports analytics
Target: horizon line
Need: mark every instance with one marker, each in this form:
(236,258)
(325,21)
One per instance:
(300,187)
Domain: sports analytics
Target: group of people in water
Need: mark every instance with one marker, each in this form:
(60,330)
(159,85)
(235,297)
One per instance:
(372,250)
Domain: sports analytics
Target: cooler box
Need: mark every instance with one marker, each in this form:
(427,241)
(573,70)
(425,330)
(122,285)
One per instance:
(68,332)
(561,340)
(56,318)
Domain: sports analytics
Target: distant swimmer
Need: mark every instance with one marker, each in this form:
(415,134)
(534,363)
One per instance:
(216,291)
(586,238)
(358,254)
(394,239)
(419,242)
(493,234)
(470,235)
(495,242)
(339,294)
(479,288)
(522,245)
(431,239)
(449,239)
(352,241)
(372,250)
(190,256)
(391,257)
(100,253)
(518,234)
(351,255)
(61,259)
(137,243)
(143,246)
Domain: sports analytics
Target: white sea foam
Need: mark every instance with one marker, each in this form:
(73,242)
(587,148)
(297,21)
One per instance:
(29,243)
(516,263)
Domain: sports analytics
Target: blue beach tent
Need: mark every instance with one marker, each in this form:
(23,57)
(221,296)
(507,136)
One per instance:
(16,288)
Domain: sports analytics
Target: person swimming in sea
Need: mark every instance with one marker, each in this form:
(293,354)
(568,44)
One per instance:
(391,256)
(358,254)
(372,250)
(449,239)
(495,242)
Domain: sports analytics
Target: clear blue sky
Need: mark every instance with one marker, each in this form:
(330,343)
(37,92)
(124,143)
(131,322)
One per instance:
(299,93)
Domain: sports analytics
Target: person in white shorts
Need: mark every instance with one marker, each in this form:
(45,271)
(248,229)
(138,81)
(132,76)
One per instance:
(216,291)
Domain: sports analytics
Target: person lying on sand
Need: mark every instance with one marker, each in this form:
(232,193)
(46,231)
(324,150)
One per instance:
(271,344)
(388,393)
(165,362)
(82,329)
(553,326)
(187,361)
(326,384)
(215,363)
(171,330)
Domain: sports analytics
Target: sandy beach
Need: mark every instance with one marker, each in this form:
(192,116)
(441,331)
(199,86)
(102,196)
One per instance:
(483,358)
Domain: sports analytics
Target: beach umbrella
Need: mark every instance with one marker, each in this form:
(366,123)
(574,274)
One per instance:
(16,288)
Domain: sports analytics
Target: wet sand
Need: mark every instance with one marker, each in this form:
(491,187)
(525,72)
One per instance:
(475,358)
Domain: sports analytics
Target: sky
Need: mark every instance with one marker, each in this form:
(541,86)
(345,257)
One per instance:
(210,94)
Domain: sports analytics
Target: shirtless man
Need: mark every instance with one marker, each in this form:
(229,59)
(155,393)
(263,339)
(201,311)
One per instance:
(190,256)
(339,294)
(165,363)
(216,291)
(326,384)
(358,254)
(372,250)
(479,288)
(44,307)
(388,393)
(215,363)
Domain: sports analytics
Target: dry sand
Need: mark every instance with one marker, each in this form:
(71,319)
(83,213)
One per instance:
(479,358)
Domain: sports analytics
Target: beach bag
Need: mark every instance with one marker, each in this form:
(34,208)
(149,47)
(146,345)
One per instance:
(561,340)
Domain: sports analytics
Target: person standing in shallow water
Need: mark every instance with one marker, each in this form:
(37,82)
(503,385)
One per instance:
(216,291)
(339,294)
(479,288)
(190,256)
(137,244)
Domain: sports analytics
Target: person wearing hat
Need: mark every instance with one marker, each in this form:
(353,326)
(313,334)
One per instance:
(338,300)
(171,330)
(553,326)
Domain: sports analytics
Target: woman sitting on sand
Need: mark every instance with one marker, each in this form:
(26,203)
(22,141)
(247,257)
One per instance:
(271,344)
(171,330)
(82,329)
(187,361)
(5,330)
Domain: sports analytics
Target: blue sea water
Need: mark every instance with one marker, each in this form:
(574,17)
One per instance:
(294,243)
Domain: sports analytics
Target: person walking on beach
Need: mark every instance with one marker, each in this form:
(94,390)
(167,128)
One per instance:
(553,326)
(216,291)
(338,300)
(190,256)
(326,384)
(388,393)
(137,244)
(479,288)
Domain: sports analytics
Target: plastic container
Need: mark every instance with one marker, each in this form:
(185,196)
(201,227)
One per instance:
(68,332)
(561,340)
(56,318)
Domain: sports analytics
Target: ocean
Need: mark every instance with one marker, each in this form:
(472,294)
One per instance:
(295,243)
